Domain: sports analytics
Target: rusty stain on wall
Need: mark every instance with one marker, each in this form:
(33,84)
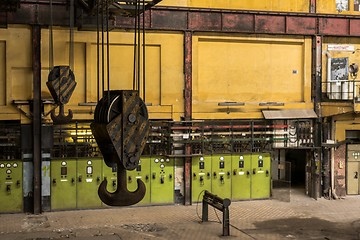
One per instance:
(339,171)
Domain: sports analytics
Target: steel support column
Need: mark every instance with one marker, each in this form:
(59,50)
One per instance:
(316,165)
(36,67)
(187,112)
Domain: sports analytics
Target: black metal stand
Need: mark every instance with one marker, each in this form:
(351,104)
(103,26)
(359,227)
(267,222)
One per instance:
(220,204)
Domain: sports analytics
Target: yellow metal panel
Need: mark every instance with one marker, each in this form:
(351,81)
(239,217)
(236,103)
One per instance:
(342,126)
(164,68)
(15,69)
(2,73)
(261,5)
(250,70)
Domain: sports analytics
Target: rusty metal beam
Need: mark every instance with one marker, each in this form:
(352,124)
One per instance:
(204,20)
(188,112)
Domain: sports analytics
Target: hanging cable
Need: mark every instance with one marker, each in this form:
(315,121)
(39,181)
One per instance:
(102,48)
(71,51)
(144,59)
(135,48)
(98,51)
(51,45)
(108,50)
(139,43)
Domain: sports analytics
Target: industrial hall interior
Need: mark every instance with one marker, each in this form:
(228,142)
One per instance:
(138,104)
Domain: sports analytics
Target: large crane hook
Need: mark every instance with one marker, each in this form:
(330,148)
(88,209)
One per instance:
(120,128)
(61,83)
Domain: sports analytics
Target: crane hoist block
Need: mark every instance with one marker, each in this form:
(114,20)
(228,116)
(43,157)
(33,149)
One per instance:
(121,127)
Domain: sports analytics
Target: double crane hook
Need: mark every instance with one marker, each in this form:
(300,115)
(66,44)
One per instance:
(120,129)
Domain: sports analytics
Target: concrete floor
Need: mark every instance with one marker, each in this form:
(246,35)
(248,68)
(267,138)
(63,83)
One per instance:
(301,218)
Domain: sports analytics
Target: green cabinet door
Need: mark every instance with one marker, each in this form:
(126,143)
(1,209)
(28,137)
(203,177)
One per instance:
(241,177)
(201,177)
(88,181)
(260,176)
(221,175)
(11,194)
(162,180)
(63,184)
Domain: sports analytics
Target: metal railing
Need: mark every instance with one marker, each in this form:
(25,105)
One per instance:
(342,90)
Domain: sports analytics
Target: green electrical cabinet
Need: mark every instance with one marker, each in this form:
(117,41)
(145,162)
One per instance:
(142,172)
(11,197)
(162,180)
(88,181)
(201,177)
(241,177)
(221,175)
(260,176)
(63,184)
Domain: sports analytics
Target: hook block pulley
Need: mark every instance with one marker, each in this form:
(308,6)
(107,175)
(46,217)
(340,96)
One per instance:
(120,128)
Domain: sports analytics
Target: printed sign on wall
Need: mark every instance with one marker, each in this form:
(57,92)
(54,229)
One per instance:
(339,69)
(342,5)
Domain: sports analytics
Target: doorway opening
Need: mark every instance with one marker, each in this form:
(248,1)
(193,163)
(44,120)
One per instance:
(298,159)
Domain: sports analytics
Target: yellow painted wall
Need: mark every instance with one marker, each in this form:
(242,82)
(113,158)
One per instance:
(353,57)
(261,5)
(329,6)
(322,6)
(252,70)
(342,125)
(164,69)
(15,70)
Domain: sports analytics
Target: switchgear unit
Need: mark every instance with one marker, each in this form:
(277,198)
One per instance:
(142,172)
(201,177)
(241,177)
(353,169)
(88,181)
(221,175)
(162,180)
(11,197)
(260,176)
(63,184)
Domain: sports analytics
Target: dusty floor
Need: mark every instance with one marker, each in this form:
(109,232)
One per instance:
(301,218)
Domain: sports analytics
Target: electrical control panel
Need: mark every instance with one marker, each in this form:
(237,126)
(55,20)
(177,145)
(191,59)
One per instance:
(162,180)
(63,184)
(260,175)
(221,175)
(201,177)
(88,180)
(11,197)
(241,177)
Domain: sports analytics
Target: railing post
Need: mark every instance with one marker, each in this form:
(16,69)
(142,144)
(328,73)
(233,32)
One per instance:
(226,222)
(205,211)
(220,204)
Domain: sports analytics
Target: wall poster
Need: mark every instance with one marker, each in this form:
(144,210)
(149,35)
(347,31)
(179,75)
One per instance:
(339,69)
(342,5)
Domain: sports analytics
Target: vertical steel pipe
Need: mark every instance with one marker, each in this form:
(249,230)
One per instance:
(318,162)
(36,67)
(187,112)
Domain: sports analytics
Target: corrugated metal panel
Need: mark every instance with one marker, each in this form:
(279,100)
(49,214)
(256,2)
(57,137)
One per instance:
(289,114)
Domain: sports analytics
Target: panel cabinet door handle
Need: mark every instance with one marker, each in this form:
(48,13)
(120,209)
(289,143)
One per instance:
(356,175)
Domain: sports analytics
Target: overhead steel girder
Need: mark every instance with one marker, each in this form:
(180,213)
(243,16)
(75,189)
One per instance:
(206,20)
(128,8)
